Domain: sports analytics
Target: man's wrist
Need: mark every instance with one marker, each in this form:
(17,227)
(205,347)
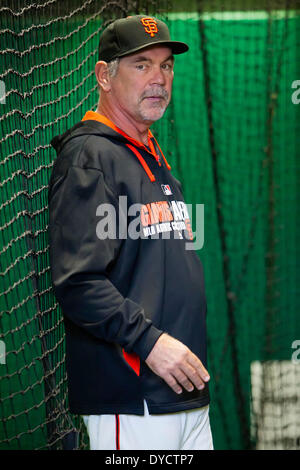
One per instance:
(144,345)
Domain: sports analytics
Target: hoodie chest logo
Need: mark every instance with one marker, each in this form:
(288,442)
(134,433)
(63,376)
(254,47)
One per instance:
(166,189)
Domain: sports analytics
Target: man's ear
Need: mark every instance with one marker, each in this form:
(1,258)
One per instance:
(102,75)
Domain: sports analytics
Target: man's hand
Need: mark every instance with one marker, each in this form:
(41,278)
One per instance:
(176,364)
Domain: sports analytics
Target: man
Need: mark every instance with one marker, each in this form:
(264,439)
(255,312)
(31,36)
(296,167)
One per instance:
(131,293)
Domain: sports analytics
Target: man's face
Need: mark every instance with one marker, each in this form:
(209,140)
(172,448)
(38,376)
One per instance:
(142,86)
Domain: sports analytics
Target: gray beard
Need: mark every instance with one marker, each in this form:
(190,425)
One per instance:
(158,108)
(156,112)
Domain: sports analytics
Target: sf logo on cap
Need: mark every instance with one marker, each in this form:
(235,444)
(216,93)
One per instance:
(150,26)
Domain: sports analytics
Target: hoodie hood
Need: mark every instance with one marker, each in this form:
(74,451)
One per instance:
(94,123)
(85,128)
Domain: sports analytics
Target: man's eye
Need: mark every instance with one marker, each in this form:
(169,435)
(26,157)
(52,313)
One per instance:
(141,66)
(167,66)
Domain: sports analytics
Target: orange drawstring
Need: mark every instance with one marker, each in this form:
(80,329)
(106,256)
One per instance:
(142,161)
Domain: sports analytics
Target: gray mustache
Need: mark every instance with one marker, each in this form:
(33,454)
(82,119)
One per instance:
(159,92)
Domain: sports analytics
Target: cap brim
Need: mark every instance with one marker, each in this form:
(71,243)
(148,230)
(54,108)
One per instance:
(176,46)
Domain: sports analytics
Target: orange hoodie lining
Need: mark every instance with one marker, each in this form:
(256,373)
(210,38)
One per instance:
(104,120)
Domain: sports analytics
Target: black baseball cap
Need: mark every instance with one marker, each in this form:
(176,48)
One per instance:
(127,35)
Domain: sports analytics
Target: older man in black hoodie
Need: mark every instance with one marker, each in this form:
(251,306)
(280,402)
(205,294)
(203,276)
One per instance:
(134,306)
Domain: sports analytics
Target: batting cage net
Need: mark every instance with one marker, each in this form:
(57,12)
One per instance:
(230,135)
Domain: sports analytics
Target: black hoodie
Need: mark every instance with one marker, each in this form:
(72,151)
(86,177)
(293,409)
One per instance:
(119,294)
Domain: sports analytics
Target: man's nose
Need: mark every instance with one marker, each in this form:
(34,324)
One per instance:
(158,76)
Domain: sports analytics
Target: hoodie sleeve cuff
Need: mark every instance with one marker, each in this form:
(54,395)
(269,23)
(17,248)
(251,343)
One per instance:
(145,343)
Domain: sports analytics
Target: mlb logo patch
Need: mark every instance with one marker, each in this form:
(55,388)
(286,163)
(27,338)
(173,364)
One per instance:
(166,189)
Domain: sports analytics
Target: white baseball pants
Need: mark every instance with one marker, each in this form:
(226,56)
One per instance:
(183,430)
